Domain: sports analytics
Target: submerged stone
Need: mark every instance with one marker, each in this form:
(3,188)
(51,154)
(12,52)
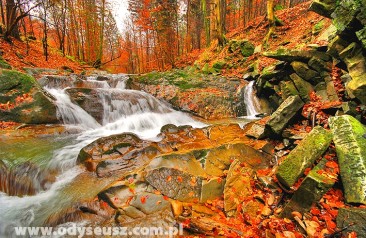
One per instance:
(303,156)
(311,190)
(348,136)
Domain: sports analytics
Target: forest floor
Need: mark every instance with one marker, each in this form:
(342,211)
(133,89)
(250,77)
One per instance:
(300,28)
(21,55)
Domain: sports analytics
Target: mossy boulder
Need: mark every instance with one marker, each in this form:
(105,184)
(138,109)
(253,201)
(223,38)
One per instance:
(356,65)
(306,73)
(323,7)
(288,55)
(311,190)
(282,116)
(219,65)
(38,108)
(4,64)
(303,87)
(245,47)
(303,156)
(350,142)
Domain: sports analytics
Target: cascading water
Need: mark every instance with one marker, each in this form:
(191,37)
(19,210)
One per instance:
(123,111)
(251,101)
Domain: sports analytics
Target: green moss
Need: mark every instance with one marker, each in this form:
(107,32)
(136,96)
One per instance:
(303,156)
(14,80)
(184,79)
(4,64)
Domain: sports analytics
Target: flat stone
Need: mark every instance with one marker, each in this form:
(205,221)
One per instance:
(219,159)
(302,86)
(286,111)
(287,55)
(355,216)
(303,156)
(288,89)
(212,189)
(237,186)
(323,7)
(177,176)
(306,73)
(311,190)
(348,136)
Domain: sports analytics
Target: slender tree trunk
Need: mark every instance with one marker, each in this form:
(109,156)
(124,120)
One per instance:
(271,22)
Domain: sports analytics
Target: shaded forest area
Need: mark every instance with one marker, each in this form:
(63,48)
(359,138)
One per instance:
(157,34)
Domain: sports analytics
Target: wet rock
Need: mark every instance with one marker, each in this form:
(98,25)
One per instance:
(323,7)
(176,176)
(311,190)
(281,117)
(351,151)
(237,186)
(302,86)
(303,156)
(96,101)
(38,108)
(126,163)
(354,216)
(306,73)
(56,81)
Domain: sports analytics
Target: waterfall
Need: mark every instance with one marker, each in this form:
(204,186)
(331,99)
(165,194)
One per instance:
(122,111)
(251,101)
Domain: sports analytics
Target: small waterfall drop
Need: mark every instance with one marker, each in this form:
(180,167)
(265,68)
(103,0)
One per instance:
(251,101)
(122,110)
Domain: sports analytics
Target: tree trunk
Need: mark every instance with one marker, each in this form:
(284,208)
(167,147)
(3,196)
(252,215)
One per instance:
(12,28)
(271,22)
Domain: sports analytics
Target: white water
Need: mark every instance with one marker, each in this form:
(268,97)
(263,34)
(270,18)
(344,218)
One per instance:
(251,101)
(142,114)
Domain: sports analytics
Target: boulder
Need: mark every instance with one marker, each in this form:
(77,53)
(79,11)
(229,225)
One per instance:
(345,16)
(282,116)
(303,156)
(306,73)
(356,64)
(246,47)
(4,64)
(103,106)
(212,189)
(354,216)
(177,176)
(311,190)
(287,89)
(323,7)
(23,100)
(216,161)
(350,142)
(237,187)
(304,88)
(56,81)
(287,55)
